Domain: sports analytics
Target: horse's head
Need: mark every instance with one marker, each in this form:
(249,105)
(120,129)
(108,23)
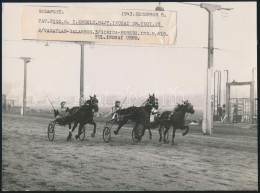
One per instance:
(93,103)
(152,101)
(188,107)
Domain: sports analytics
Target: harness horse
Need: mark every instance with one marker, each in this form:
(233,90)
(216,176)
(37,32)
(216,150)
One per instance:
(77,115)
(138,115)
(176,119)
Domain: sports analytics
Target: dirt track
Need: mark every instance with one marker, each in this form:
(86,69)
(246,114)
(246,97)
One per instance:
(198,162)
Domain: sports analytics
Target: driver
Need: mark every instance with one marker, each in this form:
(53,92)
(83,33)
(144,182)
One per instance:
(114,109)
(62,110)
(154,114)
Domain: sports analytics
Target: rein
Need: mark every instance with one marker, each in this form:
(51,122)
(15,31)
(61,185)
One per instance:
(75,111)
(134,111)
(144,103)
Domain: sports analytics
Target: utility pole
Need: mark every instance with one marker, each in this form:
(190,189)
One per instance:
(227,75)
(207,124)
(26,60)
(81,94)
(218,87)
(252,98)
(218,95)
(226,91)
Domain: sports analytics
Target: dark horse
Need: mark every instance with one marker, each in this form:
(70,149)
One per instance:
(175,118)
(83,115)
(139,115)
(65,120)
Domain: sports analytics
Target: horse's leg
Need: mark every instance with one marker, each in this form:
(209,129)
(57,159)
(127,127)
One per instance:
(79,130)
(120,125)
(167,127)
(92,122)
(173,135)
(71,131)
(150,133)
(187,130)
(160,132)
(135,131)
(143,131)
(74,126)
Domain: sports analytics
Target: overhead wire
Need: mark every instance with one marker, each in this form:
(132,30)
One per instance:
(125,45)
(199,5)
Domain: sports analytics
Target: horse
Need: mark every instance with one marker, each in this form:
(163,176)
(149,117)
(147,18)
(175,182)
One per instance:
(176,119)
(139,115)
(65,120)
(84,115)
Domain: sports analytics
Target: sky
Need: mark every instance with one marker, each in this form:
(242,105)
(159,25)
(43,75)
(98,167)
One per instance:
(118,69)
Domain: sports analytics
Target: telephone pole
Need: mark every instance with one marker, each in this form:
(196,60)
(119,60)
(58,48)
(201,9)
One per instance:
(207,124)
(26,60)
(226,98)
(81,94)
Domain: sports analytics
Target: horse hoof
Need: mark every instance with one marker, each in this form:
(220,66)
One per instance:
(150,137)
(93,135)
(69,136)
(115,132)
(184,134)
(76,136)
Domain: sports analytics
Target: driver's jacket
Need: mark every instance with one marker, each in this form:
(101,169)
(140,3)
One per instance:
(62,112)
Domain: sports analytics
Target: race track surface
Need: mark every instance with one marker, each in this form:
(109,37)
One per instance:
(226,160)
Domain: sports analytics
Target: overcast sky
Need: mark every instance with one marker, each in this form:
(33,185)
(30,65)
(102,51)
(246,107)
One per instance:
(114,69)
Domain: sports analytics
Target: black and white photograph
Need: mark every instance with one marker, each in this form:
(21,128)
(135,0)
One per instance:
(129,96)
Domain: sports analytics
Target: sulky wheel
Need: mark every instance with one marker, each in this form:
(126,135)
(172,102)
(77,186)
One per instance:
(51,131)
(106,134)
(139,130)
(82,134)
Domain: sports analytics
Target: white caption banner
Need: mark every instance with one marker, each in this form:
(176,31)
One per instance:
(99,25)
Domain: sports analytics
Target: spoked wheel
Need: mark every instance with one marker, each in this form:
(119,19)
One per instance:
(51,131)
(106,134)
(82,134)
(136,134)
(167,134)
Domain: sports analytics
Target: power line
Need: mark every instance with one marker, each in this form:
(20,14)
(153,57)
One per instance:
(14,58)
(226,50)
(119,45)
(188,3)
(92,45)
(10,58)
(199,5)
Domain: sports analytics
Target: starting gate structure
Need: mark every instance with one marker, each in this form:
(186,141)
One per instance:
(247,107)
